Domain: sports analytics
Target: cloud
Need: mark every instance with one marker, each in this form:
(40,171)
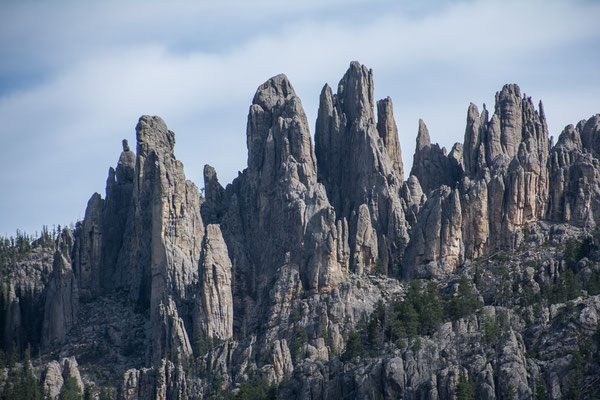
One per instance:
(94,78)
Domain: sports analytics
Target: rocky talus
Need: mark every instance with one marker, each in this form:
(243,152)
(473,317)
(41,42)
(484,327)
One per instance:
(320,272)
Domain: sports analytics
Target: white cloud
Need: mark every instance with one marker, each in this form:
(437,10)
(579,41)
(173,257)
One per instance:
(119,62)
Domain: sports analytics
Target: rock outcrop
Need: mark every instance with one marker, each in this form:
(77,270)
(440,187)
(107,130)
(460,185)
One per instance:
(277,199)
(299,274)
(215,309)
(575,175)
(359,165)
(386,126)
(55,375)
(510,153)
(62,295)
(436,241)
(501,179)
(432,166)
(147,238)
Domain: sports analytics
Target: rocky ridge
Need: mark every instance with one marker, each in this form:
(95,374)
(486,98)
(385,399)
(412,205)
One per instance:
(282,275)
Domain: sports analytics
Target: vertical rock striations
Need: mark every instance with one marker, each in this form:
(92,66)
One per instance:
(62,295)
(575,175)
(359,164)
(214,316)
(431,165)
(275,213)
(502,179)
(147,237)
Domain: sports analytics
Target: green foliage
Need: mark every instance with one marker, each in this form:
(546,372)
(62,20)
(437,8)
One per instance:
(575,250)
(70,390)
(256,389)
(14,249)
(529,298)
(575,379)
(354,346)
(417,345)
(511,394)
(375,327)
(420,313)
(107,393)
(502,256)
(491,331)
(295,316)
(406,314)
(567,288)
(428,306)
(379,267)
(88,393)
(570,284)
(540,388)
(202,345)
(93,353)
(217,383)
(327,336)
(13,356)
(465,303)
(23,384)
(135,347)
(592,284)
(465,390)
(526,233)
(299,341)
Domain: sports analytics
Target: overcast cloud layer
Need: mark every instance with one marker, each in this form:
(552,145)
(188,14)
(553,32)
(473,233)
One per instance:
(75,77)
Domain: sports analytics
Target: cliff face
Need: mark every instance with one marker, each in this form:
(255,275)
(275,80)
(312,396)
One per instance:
(360,166)
(501,178)
(574,193)
(306,271)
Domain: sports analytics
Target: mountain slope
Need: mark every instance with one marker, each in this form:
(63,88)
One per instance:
(320,272)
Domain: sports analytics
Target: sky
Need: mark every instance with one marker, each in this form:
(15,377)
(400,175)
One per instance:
(76,76)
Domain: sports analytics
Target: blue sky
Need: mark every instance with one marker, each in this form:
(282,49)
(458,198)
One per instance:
(76,76)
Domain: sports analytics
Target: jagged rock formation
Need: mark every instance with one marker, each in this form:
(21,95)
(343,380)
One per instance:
(22,293)
(293,268)
(148,239)
(56,373)
(436,242)
(359,165)
(215,308)
(62,294)
(431,165)
(575,175)
(502,180)
(386,126)
(278,199)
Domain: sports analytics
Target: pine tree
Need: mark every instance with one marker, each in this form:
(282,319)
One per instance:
(70,390)
(29,385)
(540,388)
(354,346)
(464,388)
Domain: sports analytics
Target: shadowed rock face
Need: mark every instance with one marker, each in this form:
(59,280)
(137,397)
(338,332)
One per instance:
(359,164)
(431,165)
(271,275)
(147,239)
(276,213)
